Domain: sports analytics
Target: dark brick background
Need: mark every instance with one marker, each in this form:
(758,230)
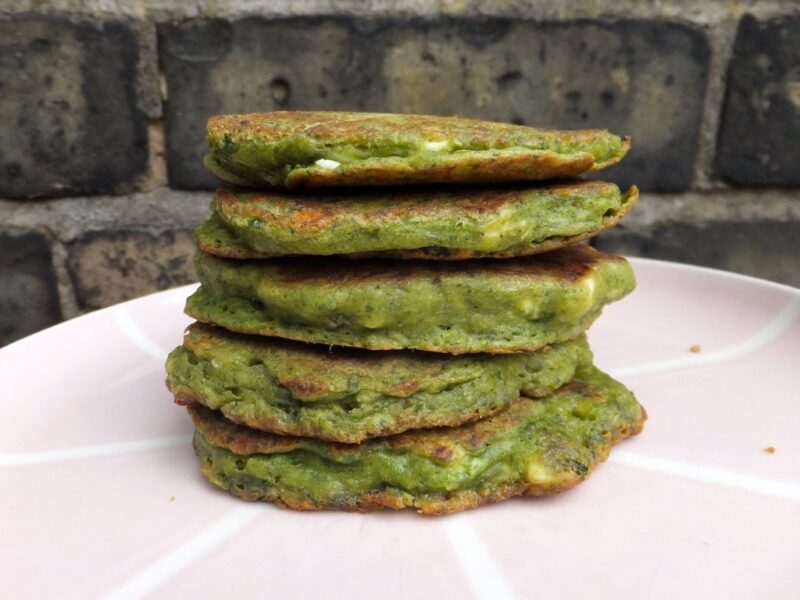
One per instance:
(68,105)
(573,74)
(28,293)
(759,142)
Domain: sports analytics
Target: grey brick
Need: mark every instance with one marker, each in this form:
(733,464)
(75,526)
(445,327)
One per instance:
(759,140)
(641,78)
(67,96)
(108,267)
(637,77)
(28,292)
(766,249)
(215,66)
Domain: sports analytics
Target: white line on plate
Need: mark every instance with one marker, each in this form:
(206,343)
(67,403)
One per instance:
(768,487)
(782,323)
(191,550)
(482,572)
(136,335)
(49,456)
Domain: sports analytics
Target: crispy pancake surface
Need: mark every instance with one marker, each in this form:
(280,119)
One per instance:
(350,395)
(316,149)
(534,447)
(495,306)
(440,223)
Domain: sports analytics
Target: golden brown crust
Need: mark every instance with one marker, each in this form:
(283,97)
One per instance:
(320,215)
(569,265)
(361,127)
(311,212)
(430,443)
(483,139)
(401,423)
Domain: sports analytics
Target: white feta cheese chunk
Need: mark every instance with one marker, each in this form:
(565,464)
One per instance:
(435,146)
(327,164)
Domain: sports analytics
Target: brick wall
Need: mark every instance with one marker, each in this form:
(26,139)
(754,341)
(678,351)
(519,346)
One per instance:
(103,107)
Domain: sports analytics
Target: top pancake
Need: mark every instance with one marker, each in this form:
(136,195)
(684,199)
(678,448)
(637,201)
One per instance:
(317,149)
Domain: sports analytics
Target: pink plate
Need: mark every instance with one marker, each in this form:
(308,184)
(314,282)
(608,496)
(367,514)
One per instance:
(101,497)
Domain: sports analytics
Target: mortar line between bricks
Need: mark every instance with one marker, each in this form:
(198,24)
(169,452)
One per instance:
(163,10)
(68,218)
(67,300)
(147,68)
(155,176)
(721,39)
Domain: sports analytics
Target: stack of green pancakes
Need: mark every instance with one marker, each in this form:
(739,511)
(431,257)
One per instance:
(392,311)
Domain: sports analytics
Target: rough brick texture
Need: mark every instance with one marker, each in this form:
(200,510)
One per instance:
(255,65)
(759,140)
(763,249)
(68,104)
(566,74)
(108,267)
(28,293)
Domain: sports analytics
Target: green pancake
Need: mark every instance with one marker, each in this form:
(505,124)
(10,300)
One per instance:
(534,447)
(496,306)
(347,395)
(316,149)
(442,223)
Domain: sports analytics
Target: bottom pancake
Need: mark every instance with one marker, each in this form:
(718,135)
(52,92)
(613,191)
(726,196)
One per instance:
(535,447)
